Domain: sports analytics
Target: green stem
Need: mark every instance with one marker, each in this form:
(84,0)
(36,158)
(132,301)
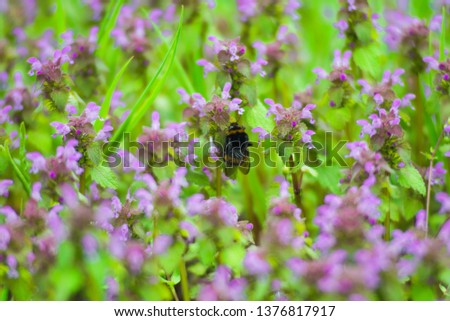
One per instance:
(430,177)
(155,227)
(174,293)
(296,183)
(250,209)
(184,281)
(419,117)
(387,219)
(219,181)
(83,182)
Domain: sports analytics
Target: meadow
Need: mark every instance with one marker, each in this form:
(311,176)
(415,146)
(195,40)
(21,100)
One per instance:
(224,150)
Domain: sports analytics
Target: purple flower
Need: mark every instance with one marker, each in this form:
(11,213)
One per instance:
(436,23)
(112,290)
(207,66)
(291,8)
(437,174)
(343,218)
(420,220)
(447,128)
(36,66)
(61,129)
(5,237)
(368,164)
(56,225)
(444,234)
(135,257)
(4,114)
(190,229)
(4,187)
(51,69)
(10,214)
(90,245)
(432,63)
(404,30)
(444,199)
(70,156)
(38,162)
(281,206)
(66,160)
(382,93)
(11,262)
(215,209)
(255,263)
(257,67)
(383,125)
(341,64)
(342,26)
(161,244)
(262,133)
(351,5)
(291,121)
(216,112)
(223,287)
(247,8)
(36,191)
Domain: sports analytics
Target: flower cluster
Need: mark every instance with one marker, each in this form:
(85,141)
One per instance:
(341,89)
(383,93)
(227,56)
(291,122)
(442,78)
(110,190)
(355,22)
(249,9)
(214,115)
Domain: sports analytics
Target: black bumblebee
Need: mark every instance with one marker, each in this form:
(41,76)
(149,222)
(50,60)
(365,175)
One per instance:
(236,153)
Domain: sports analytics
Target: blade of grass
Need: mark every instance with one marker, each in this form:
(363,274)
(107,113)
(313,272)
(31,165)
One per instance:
(181,72)
(22,176)
(442,40)
(107,24)
(60,16)
(144,101)
(104,110)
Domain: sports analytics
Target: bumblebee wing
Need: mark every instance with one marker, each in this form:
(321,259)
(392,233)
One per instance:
(230,171)
(244,166)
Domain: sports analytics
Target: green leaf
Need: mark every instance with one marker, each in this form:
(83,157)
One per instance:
(59,98)
(151,91)
(107,24)
(22,147)
(66,282)
(422,292)
(363,32)
(410,177)
(94,153)
(105,177)
(336,95)
(104,110)
(4,160)
(184,78)
(23,176)
(170,260)
(198,178)
(256,116)
(368,59)
(207,251)
(233,256)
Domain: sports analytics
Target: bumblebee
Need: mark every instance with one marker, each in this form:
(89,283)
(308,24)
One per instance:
(236,153)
